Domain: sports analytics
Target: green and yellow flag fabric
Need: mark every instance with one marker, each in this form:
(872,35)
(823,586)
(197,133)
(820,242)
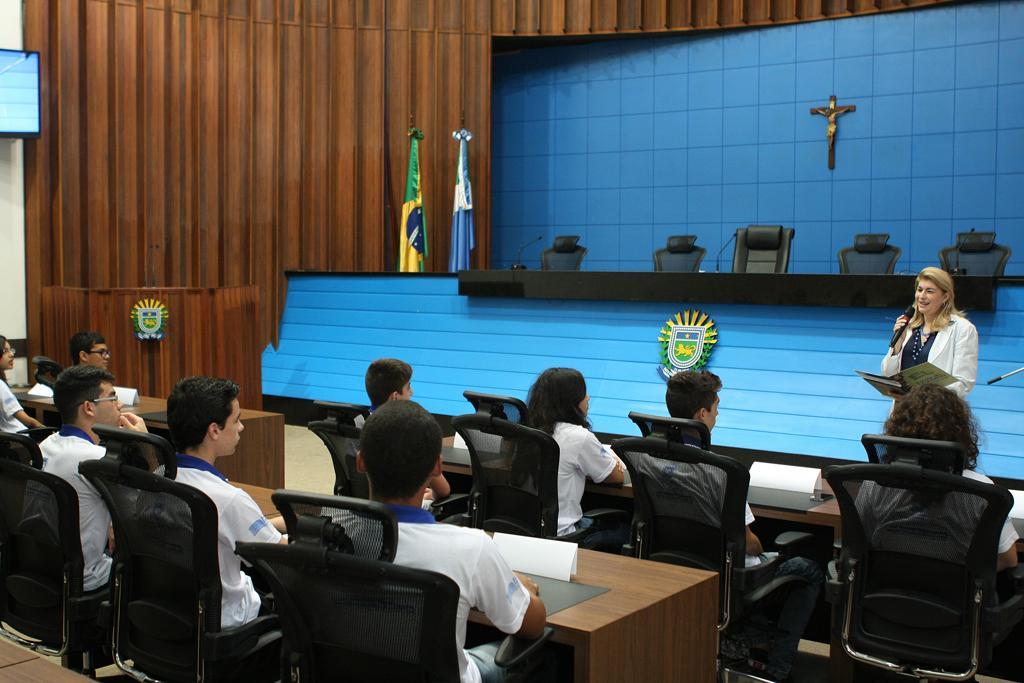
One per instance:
(412,242)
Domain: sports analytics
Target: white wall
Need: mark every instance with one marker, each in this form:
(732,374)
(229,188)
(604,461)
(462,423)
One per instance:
(12,210)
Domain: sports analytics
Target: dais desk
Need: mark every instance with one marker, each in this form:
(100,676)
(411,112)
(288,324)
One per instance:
(259,458)
(656,622)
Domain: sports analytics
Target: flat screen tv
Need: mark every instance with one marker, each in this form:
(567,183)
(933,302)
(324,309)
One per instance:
(19,94)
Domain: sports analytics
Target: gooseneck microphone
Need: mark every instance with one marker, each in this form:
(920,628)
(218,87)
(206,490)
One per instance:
(718,257)
(909,313)
(518,265)
(960,241)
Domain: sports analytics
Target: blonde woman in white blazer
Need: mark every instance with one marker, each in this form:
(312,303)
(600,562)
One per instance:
(937,333)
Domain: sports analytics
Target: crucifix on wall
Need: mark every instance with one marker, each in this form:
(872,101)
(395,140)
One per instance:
(832,112)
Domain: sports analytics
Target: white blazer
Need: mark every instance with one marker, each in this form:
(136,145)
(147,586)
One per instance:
(954,350)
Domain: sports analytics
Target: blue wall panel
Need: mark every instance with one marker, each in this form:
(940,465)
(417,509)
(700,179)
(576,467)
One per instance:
(716,132)
(788,371)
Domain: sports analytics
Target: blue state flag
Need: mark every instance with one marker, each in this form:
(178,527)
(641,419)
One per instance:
(462,209)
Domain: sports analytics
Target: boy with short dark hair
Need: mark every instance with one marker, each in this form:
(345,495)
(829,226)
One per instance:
(400,453)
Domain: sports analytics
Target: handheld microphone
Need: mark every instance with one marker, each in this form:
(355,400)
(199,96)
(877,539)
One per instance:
(960,240)
(718,257)
(1000,378)
(909,313)
(518,265)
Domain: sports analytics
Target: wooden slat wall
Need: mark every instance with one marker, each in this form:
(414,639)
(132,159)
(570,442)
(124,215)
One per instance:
(212,143)
(209,332)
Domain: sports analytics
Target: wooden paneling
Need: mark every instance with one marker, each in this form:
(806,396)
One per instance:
(209,332)
(212,143)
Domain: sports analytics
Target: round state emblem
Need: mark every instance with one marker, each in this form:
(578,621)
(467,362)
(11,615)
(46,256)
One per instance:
(686,342)
(149,320)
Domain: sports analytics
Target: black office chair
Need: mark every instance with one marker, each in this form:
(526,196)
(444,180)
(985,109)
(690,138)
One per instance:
(697,520)
(367,620)
(43,605)
(671,428)
(349,525)
(515,480)
(975,253)
(762,249)
(504,407)
(339,429)
(47,370)
(679,255)
(914,586)
(869,255)
(38,434)
(564,254)
(166,602)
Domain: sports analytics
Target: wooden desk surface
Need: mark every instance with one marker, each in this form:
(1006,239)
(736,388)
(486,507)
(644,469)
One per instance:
(655,623)
(259,458)
(38,669)
(12,654)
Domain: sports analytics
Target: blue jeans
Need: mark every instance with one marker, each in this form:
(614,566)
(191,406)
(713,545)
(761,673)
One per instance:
(483,657)
(795,613)
(609,540)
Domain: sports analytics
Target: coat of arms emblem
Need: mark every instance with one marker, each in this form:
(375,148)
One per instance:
(686,342)
(149,320)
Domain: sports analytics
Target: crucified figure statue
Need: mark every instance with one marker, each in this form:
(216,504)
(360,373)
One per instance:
(832,112)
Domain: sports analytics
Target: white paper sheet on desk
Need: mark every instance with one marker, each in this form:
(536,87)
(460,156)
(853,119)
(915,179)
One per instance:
(459,442)
(553,559)
(1017,511)
(127,395)
(785,477)
(41,390)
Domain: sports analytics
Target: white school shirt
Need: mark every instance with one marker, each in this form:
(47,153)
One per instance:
(1008,536)
(471,559)
(62,454)
(9,407)
(580,455)
(238,519)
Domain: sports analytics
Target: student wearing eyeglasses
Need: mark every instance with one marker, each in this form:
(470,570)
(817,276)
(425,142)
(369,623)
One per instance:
(90,348)
(85,397)
(13,417)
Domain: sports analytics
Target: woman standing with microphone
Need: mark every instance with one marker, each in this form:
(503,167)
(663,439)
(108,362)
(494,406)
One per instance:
(937,333)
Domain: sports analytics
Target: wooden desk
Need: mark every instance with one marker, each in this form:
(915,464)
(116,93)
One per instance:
(655,623)
(11,654)
(38,669)
(259,458)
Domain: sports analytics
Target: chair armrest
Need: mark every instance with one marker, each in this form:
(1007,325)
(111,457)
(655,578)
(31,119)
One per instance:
(1001,619)
(86,607)
(453,504)
(833,584)
(241,641)
(789,543)
(1016,575)
(515,651)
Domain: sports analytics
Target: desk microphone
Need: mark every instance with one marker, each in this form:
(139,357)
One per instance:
(909,313)
(960,241)
(718,257)
(518,265)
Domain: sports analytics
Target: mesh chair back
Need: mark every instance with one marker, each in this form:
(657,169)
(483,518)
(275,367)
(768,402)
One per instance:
(944,456)
(167,586)
(869,255)
(340,430)
(688,507)
(918,561)
(515,476)
(976,253)
(503,407)
(40,549)
(349,525)
(371,620)
(762,249)
(671,428)
(679,255)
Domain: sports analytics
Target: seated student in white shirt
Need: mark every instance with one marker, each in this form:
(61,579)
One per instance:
(390,379)
(558,404)
(205,423)
(13,417)
(85,397)
(937,413)
(400,453)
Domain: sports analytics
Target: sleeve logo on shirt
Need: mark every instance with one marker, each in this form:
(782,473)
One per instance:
(513,588)
(258,526)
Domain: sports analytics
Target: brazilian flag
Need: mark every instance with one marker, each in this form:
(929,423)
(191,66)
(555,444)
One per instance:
(412,241)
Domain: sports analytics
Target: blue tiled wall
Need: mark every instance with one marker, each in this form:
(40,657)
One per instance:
(627,142)
(788,371)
